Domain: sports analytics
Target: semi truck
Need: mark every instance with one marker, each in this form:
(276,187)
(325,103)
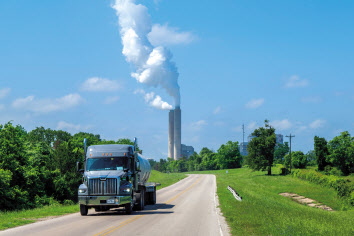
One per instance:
(115,176)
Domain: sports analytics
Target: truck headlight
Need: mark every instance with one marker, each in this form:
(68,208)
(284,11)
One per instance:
(126,190)
(82,190)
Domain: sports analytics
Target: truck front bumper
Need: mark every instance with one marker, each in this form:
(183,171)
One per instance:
(111,201)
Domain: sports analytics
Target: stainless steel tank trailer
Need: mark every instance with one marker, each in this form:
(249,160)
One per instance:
(115,175)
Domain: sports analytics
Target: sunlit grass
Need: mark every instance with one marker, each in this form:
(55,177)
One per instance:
(17,218)
(165,179)
(264,212)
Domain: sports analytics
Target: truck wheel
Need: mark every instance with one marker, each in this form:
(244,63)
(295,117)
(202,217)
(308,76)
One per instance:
(143,196)
(153,198)
(128,208)
(83,210)
(140,200)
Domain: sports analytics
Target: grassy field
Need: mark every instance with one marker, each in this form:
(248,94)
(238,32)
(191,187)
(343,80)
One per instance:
(264,212)
(17,218)
(165,179)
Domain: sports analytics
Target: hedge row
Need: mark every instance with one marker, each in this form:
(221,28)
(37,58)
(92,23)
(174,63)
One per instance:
(343,187)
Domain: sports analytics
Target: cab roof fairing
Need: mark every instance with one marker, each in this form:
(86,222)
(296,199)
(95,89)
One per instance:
(113,150)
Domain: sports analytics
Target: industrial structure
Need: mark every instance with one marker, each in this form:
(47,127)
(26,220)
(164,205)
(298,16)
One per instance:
(187,151)
(174,133)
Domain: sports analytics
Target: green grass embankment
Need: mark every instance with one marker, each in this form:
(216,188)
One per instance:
(264,212)
(17,218)
(165,179)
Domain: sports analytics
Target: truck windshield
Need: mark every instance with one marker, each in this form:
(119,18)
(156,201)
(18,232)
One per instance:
(106,163)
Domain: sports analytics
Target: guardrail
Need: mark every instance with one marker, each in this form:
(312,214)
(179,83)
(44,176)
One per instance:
(236,195)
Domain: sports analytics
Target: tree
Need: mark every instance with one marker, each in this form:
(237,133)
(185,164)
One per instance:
(280,151)
(321,151)
(229,156)
(311,158)
(261,148)
(298,160)
(341,150)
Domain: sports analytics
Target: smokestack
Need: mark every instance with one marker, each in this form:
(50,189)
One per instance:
(171,137)
(177,133)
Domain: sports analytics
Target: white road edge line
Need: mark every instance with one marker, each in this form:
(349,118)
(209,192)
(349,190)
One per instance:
(216,210)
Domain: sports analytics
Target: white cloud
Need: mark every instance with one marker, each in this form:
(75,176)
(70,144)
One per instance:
(317,124)
(315,99)
(2,107)
(295,82)
(110,100)
(281,124)
(165,35)
(219,123)
(4,92)
(154,100)
(252,126)
(48,105)
(237,129)
(254,103)
(217,110)
(198,125)
(96,84)
(71,128)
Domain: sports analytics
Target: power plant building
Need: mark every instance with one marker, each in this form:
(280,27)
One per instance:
(187,151)
(174,134)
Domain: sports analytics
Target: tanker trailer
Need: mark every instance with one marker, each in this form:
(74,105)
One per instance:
(115,175)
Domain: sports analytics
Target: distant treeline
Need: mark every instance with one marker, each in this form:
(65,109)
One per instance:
(39,167)
(227,157)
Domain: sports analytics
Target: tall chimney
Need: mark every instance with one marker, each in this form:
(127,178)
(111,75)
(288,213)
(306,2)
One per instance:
(177,133)
(171,136)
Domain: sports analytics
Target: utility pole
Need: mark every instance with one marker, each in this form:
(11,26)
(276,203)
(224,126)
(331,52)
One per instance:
(290,136)
(243,133)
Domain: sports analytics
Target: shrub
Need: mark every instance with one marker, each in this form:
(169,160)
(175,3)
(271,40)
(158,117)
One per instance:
(343,187)
(284,171)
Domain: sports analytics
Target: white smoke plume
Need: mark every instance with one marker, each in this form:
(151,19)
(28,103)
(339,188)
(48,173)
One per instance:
(153,64)
(154,100)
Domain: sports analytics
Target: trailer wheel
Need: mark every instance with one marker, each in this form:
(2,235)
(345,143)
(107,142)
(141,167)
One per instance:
(153,198)
(83,210)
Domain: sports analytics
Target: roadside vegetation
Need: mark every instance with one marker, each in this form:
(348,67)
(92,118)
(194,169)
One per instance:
(21,217)
(165,179)
(263,211)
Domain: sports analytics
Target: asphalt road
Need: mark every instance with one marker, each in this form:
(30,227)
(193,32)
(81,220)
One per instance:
(185,208)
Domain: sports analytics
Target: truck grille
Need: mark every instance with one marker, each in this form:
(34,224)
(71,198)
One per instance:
(102,186)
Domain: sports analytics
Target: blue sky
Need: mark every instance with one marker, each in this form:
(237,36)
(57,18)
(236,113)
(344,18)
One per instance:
(239,62)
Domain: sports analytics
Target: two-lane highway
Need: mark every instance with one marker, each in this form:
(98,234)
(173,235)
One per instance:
(185,208)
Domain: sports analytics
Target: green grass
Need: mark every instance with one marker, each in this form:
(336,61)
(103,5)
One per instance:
(17,218)
(165,179)
(264,212)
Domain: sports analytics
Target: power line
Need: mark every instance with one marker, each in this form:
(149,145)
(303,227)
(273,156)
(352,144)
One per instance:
(290,136)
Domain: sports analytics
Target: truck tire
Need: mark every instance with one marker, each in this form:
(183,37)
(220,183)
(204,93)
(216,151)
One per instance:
(83,210)
(140,200)
(153,198)
(128,208)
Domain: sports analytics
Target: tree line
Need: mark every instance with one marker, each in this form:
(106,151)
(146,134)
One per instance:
(334,157)
(39,167)
(226,157)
